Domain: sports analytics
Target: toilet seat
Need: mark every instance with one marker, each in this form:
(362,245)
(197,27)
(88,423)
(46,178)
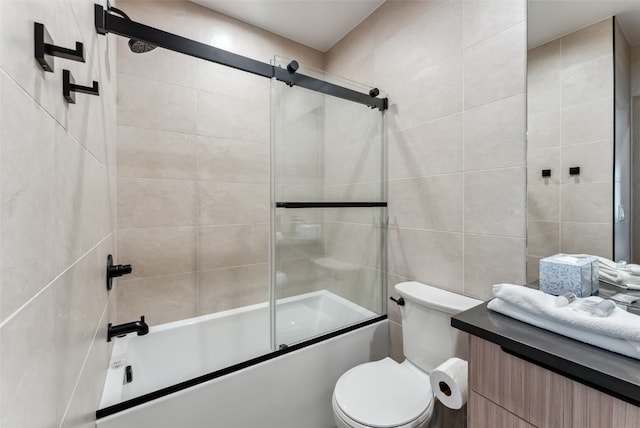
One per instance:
(383,394)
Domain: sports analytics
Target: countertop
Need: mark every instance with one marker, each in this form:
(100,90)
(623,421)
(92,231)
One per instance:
(603,370)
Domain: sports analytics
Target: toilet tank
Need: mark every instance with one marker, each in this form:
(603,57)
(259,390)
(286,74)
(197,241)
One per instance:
(427,336)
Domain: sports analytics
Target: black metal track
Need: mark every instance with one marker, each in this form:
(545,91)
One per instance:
(108,23)
(330,204)
(136,401)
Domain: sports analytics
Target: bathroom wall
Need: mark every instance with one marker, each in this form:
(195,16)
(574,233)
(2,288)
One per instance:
(622,171)
(570,108)
(193,167)
(455,75)
(635,137)
(57,218)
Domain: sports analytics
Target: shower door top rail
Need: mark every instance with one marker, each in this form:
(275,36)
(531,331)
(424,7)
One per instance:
(106,22)
(330,204)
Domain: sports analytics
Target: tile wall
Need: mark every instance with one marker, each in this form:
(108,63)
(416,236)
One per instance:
(622,169)
(57,218)
(193,167)
(570,108)
(455,73)
(635,135)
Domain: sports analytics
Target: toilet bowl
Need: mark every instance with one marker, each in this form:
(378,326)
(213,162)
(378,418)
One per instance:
(383,394)
(387,394)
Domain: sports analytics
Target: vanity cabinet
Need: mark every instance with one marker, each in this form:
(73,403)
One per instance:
(507,391)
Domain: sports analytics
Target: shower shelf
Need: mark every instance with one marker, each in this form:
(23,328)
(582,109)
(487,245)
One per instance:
(330,204)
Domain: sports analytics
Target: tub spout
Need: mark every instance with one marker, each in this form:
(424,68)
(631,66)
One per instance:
(139,327)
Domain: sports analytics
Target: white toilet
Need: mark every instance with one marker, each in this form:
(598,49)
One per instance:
(388,394)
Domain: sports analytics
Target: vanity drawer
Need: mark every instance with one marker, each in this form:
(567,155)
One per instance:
(486,414)
(539,396)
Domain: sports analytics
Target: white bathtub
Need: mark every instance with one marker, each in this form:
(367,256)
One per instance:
(178,351)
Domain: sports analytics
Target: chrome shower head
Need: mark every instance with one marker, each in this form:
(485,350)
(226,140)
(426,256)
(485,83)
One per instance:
(136,46)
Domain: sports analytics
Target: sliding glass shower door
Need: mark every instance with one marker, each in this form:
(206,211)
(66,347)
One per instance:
(328,215)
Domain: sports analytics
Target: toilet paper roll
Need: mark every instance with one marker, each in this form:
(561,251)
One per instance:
(449,382)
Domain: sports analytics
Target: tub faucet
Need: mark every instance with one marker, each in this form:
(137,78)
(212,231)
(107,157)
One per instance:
(140,327)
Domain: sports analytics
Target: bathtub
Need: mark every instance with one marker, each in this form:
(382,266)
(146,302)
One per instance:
(176,352)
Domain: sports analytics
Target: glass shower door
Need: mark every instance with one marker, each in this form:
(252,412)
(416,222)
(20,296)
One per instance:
(328,212)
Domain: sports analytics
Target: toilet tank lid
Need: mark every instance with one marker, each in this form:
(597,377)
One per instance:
(435,298)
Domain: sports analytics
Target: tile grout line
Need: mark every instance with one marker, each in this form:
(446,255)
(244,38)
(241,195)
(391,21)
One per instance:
(35,296)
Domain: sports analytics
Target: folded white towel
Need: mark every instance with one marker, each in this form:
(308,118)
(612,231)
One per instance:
(625,347)
(619,274)
(620,324)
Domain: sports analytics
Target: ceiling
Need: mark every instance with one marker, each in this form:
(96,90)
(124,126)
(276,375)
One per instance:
(315,23)
(550,19)
(322,23)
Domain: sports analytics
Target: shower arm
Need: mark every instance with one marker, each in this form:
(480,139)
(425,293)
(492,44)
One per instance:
(106,22)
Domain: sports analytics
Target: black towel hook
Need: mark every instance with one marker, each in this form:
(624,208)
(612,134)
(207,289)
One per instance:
(43,47)
(69,87)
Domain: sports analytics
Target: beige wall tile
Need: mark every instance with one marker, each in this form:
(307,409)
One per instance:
(544,94)
(539,159)
(427,203)
(160,299)
(147,203)
(159,64)
(432,148)
(223,80)
(589,43)
(635,66)
(396,350)
(586,202)
(493,136)
(587,81)
(30,236)
(543,238)
(484,18)
(234,118)
(438,33)
(433,258)
(227,246)
(230,288)
(441,84)
(158,252)
(494,202)
(229,160)
(533,269)
(594,159)
(84,198)
(232,203)
(354,163)
(543,129)
(150,153)
(495,67)
(543,202)
(135,96)
(545,60)
(587,238)
(590,121)
(490,260)
(80,302)
(358,244)
(82,408)
(29,371)
(360,286)
(16,29)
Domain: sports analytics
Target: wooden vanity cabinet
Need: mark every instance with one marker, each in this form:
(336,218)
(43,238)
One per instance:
(507,391)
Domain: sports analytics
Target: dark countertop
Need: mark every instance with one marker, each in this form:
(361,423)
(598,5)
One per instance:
(598,368)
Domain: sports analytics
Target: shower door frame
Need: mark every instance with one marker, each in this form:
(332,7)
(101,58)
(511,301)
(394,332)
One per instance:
(107,23)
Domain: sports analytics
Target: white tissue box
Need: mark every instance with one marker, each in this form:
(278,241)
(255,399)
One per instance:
(563,273)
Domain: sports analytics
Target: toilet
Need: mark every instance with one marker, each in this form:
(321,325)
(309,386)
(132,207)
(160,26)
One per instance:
(389,394)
